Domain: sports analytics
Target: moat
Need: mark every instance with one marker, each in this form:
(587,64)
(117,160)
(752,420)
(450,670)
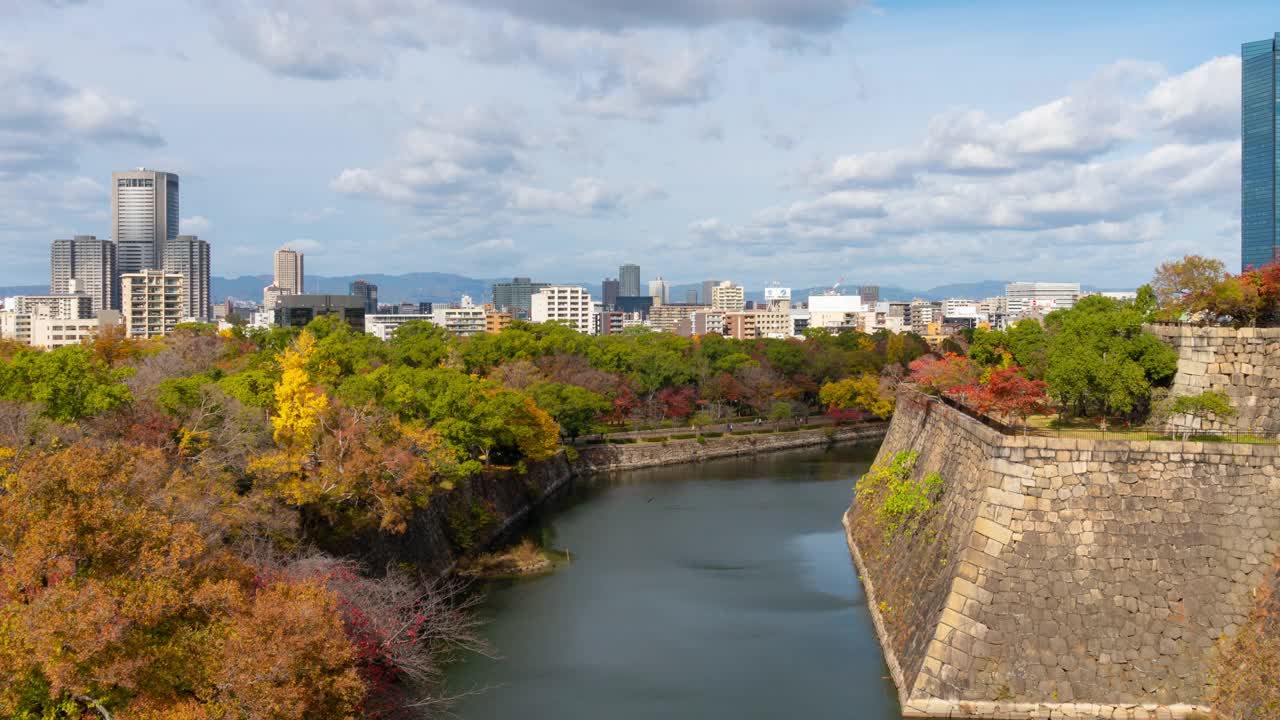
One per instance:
(723,589)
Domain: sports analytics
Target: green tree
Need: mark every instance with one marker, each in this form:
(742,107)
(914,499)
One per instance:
(1029,345)
(575,409)
(70,383)
(1101,361)
(863,393)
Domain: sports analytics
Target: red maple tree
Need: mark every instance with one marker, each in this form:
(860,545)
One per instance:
(1007,393)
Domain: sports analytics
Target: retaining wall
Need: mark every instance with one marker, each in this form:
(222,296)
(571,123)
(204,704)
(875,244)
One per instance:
(1082,578)
(1244,363)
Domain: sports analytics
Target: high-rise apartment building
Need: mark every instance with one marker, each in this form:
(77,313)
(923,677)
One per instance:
(152,302)
(144,216)
(629,280)
(289,273)
(610,289)
(188,256)
(728,297)
(88,265)
(369,292)
(565,304)
(1260,153)
(513,297)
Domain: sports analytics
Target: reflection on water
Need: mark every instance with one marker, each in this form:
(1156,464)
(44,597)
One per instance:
(722,590)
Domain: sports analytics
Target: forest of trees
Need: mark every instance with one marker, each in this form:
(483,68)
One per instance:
(152,562)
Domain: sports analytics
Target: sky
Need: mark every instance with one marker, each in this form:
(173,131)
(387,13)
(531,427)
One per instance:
(800,141)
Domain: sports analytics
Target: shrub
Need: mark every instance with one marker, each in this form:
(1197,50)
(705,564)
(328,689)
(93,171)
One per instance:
(900,500)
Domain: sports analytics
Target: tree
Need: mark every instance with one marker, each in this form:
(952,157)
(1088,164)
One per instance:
(1179,284)
(1028,345)
(70,383)
(1007,393)
(1101,361)
(863,393)
(936,376)
(781,412)
(575,409)
(298,403)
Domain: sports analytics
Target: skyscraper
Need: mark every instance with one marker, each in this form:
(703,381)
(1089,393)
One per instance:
(289,275)
(660,291)
(144,216)
(707,285)
(629,280)
(610,289)
(88,265)
(1260,153)
(188,256)
(369,292)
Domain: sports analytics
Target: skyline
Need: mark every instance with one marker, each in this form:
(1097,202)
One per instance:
(566,141)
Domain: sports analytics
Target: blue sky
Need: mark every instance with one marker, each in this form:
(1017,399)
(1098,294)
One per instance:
(905,143)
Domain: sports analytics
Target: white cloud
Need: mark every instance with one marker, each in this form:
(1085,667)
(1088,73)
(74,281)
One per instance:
(195,225)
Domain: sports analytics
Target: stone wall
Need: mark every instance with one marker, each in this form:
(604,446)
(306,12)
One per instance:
(1244,363)
(1083,578)
(605,458)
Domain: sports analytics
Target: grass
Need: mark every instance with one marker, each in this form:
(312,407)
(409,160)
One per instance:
(1058,426)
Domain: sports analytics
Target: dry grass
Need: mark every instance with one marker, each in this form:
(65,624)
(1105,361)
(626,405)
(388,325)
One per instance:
(1247,668)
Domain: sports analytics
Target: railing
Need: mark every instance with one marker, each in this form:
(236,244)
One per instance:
(1118,430)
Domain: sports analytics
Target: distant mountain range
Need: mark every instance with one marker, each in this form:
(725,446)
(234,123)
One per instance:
(447,287)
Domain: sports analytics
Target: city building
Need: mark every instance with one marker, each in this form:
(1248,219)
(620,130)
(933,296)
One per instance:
(664,318)
(633,304)
(514,297)
(415,308)
(691,296)
(610,289)
(465,319)
(495,321)
(1036,298)
(289,276)
(271,295)
(188,256)
(296,310)
(660,291)
(923,313)
(567,304)
(705,298)
(368,291)
(144,216)
(88,265)
(50,333)
(71,306)
(629,281)
(152,302)
(757,324)
(869,294)
(727,297)
(383,326)
(609,322)
(708,322)
(1259,152)
(835,313)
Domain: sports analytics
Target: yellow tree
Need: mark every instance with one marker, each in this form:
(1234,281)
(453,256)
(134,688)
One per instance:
(299,404)
(863,393)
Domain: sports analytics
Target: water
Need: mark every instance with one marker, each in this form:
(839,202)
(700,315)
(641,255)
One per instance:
(722,590)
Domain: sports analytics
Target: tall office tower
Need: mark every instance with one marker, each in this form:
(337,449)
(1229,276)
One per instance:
(660,291)
(144,216)
(869,294)
(513,297)
(289,274)
(1260,153)
(369,292)
(188,256)
(88,265)
(629,280)
(610,289)
(706,290)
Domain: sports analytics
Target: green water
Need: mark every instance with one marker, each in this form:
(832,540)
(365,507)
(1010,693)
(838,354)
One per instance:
(721,590)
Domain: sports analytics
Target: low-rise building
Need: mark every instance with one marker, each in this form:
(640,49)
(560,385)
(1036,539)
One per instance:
(62,306)
(466,319)
(664,318)
(1039,298)
(708,321)
(383,326)
(495,321)
(50,333)
(836,313)
(299,310)
(757,324)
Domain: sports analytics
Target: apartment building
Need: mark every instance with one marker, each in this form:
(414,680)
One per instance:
(727,297)
(757,324)
(567,304)
(383,326)
(152,302)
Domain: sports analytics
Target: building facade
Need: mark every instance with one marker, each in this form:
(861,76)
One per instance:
(629,280)
(188,256)
(1260,152)
(152,302)
(728,297)
(383,326)
(144,216)
(660,291)
(75,306)
(289,274)
(1037,298)
(298,310)
(610,289)
(88,265)
(465,320)
(567,304)
(368,291)
(515,297)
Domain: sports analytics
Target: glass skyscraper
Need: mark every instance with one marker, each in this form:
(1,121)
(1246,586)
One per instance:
(1260,163)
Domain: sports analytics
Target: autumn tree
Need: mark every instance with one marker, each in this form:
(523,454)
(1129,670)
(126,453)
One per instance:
(298,403)
(863,393)
(1007,393)
(938,376)
(1181,285)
